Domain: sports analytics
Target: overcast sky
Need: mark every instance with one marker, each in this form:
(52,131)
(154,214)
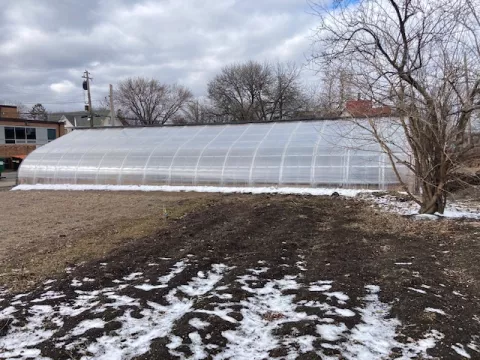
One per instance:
(45,45)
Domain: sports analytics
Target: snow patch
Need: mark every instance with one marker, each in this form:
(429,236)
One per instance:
(454,210)
(202,284)
(150,287)
(174,271)
(375,336)
(420,291)
(320,288)
(269,316)
(133,276)
(264,311)
(344,312)
(331,332)
(86,325)
(198,324)
(475,344)
(460,350)
(338,295)
(258,271)
(433,310)
(76,283)
(49,295)
(17,342)
(196,346)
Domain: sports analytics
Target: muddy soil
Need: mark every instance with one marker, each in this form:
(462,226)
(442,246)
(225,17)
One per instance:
(418,265)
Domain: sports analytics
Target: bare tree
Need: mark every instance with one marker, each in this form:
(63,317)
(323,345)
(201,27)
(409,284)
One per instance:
(336,88)
(196,112)
(149,101)
(286,95)
(235,92)
(422,58)
(23,110)
(38,112)
(255,92)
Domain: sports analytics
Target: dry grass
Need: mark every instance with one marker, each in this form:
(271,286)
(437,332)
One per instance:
(377,221)
(43,232)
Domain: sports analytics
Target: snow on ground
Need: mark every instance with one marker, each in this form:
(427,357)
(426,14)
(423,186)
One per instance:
(460,350)
(454,210)
(251,313)
(433,310)
(205,189)
(389,203)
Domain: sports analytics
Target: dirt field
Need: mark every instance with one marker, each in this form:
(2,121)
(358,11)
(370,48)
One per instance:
(237,277)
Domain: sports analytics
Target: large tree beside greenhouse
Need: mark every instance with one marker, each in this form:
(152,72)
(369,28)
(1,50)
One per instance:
(421,57)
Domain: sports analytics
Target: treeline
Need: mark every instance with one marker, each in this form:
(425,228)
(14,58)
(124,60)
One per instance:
(240,92)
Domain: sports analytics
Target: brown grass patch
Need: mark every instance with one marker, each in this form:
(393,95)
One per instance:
(60,229)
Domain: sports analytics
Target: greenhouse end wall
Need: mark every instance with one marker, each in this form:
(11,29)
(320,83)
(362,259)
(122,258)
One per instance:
(312,153)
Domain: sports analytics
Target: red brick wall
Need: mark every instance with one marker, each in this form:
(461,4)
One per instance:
(16,149)
(9,112)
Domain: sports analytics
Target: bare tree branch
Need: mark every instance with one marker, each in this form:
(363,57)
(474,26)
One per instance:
(149,101)
(421,58)
(256,92)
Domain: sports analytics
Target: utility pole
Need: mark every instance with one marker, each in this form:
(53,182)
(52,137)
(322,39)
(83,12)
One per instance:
(112,110)
(86,86)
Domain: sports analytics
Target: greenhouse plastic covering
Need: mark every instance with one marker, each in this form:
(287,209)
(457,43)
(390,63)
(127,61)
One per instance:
(302,153)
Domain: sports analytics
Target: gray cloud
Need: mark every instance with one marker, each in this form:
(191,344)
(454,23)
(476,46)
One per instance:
(46,45)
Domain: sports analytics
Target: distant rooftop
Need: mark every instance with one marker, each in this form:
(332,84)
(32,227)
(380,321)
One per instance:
(80,118)
(361,108)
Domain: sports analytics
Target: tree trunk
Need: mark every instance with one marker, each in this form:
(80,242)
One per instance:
(433,200)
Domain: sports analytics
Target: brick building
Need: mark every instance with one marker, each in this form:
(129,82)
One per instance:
(19,137)
(365,108)
(8,111)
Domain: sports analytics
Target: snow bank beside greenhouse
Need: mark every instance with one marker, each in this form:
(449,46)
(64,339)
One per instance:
(204,189)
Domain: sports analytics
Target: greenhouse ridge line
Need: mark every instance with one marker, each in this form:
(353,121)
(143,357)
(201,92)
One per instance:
(235,123)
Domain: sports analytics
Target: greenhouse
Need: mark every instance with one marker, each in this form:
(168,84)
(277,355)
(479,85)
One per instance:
(289,153)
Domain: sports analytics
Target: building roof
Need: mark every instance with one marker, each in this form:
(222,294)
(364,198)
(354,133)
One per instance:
(27,121)
(80,118)
(365,108)
(54,117)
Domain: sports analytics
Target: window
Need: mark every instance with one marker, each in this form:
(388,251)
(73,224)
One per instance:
(52,134)
(20,135)
(31,135)
(9,135)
